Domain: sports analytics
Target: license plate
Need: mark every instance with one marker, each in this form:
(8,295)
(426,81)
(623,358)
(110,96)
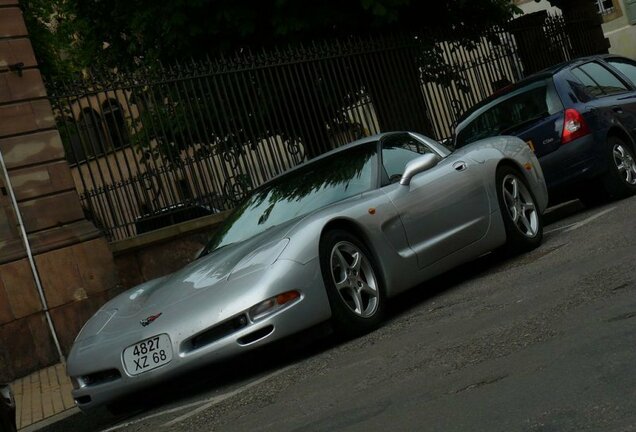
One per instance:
(148,354)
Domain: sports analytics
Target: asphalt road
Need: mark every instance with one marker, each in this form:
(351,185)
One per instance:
(541,342)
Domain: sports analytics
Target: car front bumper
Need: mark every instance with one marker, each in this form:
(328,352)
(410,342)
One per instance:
(311,309)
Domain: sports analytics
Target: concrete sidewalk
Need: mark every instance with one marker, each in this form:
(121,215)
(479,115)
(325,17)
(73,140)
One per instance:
(41,395)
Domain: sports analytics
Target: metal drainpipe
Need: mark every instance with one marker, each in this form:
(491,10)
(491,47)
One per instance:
(34,269)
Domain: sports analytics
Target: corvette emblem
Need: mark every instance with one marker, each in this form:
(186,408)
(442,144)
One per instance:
(149,320)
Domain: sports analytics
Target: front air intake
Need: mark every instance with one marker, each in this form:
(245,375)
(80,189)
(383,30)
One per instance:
(215,333)
(100,377)
(256,335)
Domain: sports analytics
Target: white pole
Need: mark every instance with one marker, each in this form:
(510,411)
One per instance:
(34,270)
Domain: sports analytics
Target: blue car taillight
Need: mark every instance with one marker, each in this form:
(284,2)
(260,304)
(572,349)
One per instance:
(574,126)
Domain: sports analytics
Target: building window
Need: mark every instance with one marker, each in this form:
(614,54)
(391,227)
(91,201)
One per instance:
(115,124)
(91,132)
(71,139)
(184,190)
(605,7)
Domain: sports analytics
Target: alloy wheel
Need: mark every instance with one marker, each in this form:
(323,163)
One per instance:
(520,205)
(625,164)
(354,279)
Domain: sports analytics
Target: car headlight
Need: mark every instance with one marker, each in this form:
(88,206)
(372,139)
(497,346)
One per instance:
(263,256)
(273,305)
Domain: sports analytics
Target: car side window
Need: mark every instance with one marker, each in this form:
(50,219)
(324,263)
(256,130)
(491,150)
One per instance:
(590,88)
(626,67)
(598,80)
(397,151)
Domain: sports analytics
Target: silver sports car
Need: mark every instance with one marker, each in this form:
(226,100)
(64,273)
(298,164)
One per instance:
(329,240)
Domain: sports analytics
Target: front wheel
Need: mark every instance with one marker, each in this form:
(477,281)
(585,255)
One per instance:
(521,217)
(353,283)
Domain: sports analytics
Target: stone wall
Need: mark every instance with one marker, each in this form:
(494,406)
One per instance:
(73,260)
(163,251)
(623,41)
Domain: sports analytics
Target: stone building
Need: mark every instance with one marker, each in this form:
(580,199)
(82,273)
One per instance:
(45,295)
(619,21)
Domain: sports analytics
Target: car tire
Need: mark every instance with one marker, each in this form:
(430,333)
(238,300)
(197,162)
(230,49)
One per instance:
(522,219)
(620,179)
(353,282)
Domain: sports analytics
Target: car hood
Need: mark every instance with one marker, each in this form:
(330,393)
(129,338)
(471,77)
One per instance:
(206,276)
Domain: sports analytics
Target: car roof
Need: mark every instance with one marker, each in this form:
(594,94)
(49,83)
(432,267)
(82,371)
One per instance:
(537,76)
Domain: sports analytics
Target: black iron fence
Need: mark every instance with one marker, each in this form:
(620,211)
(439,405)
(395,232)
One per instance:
(164,144)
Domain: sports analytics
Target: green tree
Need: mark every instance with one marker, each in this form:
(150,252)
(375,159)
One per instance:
(71,36)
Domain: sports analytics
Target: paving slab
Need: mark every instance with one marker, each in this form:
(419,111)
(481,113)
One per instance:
(42,395)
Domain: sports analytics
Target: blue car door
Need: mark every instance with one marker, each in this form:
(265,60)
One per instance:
(626,68)
(613,98)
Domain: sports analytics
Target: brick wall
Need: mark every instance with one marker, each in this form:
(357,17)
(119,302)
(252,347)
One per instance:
(74,262)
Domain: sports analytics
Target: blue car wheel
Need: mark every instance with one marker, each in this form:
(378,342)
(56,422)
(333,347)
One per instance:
(620,179)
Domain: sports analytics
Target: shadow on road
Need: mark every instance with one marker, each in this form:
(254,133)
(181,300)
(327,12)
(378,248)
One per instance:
(491,262)
(562,211)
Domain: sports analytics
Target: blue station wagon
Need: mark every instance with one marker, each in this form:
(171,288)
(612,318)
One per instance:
(578,117)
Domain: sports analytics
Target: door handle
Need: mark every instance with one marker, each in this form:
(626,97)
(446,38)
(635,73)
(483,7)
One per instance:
(460,166)
(617,110)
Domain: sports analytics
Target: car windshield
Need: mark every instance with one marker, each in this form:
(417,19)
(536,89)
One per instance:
(510,113)
(300,192)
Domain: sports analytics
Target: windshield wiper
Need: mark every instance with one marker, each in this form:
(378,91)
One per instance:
(208,251)
(524,123)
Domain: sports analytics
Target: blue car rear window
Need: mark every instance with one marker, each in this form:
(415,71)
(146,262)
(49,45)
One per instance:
(510,112)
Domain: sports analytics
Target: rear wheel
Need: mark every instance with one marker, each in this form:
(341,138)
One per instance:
(522,220)
(620,179)
(353,283)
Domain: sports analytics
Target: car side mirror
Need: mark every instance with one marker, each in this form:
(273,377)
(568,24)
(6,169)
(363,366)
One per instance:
(418,165)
